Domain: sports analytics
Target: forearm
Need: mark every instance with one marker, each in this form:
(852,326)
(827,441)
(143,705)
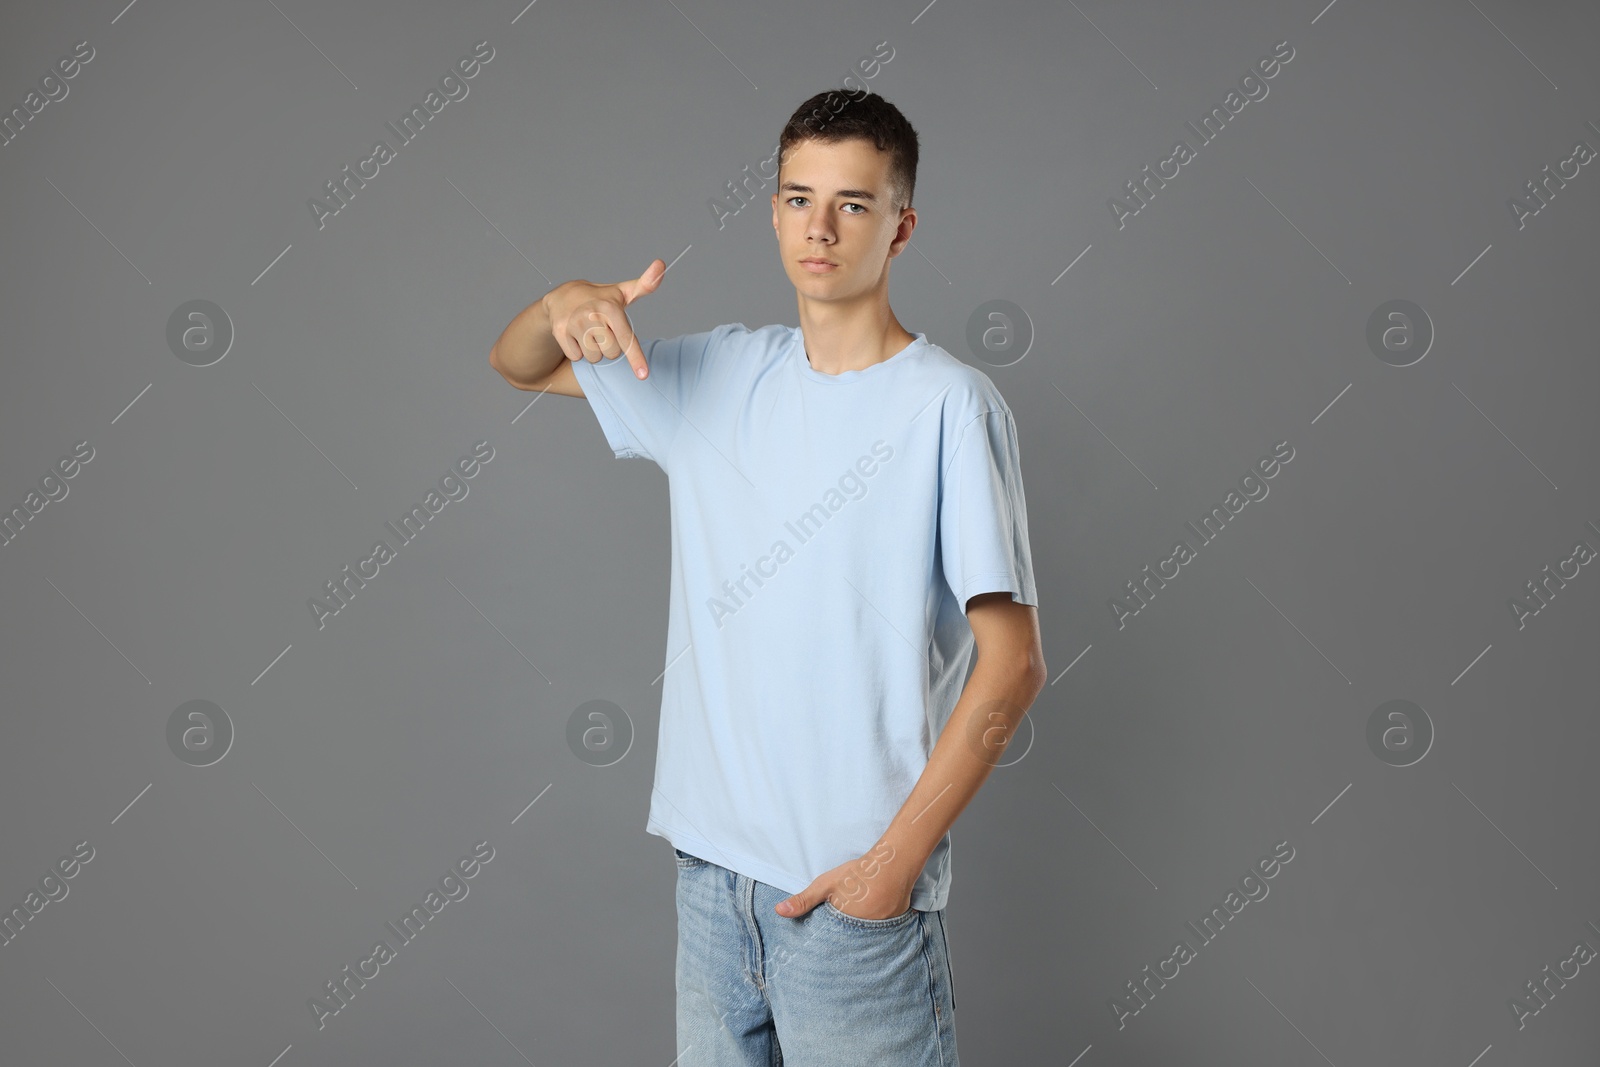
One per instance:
(985,718)
(527,352)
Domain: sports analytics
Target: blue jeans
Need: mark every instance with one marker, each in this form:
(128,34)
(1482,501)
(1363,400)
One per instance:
(756,989)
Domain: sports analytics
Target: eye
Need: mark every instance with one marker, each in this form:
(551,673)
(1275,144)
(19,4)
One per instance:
(863,209)
(792,199)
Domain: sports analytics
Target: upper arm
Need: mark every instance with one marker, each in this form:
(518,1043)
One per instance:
(1006,630)
(641,416)
(563,381)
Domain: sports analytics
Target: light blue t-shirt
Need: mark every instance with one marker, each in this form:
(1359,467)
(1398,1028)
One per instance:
(827,533)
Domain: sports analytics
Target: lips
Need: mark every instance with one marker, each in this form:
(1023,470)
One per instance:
(820,262)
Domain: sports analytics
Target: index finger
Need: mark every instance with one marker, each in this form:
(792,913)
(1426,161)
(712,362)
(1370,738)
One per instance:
(617,320)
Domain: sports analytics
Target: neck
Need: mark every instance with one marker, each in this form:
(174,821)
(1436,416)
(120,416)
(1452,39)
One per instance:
(840,339)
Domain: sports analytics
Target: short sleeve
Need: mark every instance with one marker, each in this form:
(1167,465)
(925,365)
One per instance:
(641,418)
(983,518)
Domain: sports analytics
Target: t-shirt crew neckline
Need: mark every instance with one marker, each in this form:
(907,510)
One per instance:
(797,353)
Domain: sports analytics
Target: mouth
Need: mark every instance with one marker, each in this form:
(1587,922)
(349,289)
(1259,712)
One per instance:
(818,266)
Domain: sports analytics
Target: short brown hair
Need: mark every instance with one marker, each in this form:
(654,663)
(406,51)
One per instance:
(840,115)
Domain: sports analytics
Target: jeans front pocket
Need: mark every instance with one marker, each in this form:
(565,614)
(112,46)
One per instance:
(870,924)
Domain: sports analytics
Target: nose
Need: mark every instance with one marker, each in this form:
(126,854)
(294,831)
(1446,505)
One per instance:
(818,230)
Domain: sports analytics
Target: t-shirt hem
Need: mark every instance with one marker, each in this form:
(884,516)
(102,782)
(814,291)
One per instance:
(761,872)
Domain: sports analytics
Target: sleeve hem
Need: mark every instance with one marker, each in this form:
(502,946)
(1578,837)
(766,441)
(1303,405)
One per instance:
(623,446)
(998,582)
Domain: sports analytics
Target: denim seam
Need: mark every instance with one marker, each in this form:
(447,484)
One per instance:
(892,923)
(944,939)
(746,909)
(933,994)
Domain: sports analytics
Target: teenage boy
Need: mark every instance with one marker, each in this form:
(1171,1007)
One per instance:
(848,522)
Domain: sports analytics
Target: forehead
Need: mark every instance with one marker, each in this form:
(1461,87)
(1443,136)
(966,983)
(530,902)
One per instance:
(826,168)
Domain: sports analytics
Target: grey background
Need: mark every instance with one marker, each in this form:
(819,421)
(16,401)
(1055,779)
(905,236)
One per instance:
(1230,314)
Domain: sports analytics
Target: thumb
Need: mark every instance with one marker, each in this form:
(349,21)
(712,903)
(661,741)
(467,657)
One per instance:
(644,284)
(799,904)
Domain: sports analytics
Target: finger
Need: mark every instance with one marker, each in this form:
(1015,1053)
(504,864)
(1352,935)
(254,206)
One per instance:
(595,341)
(622,331)
(569,344)
(562,332)
(644,284)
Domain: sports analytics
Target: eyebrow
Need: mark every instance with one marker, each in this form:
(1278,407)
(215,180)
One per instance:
(853,194)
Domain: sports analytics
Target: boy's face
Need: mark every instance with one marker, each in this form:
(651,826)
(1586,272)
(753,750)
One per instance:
(833,203)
